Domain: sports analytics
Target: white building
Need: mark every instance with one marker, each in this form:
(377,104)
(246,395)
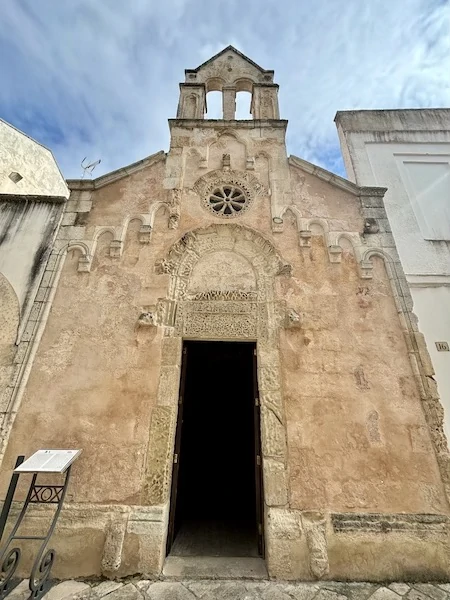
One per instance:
(32,196)
(408,151)
(27,167)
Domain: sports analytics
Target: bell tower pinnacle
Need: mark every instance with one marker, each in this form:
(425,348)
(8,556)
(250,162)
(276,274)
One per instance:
(228,150)
(228,72)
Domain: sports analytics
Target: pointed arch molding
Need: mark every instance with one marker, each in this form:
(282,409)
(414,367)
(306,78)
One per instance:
(210,315)
(185,253)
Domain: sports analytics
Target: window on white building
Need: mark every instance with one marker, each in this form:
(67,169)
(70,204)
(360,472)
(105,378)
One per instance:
(427,179)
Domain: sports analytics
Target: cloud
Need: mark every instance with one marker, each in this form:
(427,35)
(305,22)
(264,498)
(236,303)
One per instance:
(100,79)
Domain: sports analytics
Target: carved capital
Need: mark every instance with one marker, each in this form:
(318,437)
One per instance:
(305,238)
(115,249)
(145,233)
(366,267)
(84,264)
(335,254)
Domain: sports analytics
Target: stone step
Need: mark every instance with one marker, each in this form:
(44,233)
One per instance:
(214,567)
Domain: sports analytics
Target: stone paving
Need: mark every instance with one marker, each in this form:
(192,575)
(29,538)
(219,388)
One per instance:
(236,590)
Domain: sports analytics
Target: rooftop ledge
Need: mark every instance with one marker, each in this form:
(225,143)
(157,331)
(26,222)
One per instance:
(222,123)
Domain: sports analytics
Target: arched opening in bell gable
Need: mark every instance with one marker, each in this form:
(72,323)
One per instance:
(214,105)
(243,106)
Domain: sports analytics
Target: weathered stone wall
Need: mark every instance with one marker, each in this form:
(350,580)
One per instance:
(96,373)
(28,226)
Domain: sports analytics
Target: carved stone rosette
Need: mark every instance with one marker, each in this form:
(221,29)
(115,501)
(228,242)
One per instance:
(245,181)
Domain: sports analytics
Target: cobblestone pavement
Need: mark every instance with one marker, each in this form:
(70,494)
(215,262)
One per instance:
(237,590)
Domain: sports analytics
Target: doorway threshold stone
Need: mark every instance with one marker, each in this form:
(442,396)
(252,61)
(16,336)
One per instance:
(215,567)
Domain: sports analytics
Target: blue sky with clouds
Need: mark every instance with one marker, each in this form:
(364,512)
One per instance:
(99,78)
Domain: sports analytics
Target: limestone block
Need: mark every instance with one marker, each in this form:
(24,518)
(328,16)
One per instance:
(84,204)
(143,585)
(430,591)
(302,591)
(384,593)
(286,558)
(5,398)
(104,588)
(46,279)
(425,358)
(169,383)
(273,433)
(399,588)
(28,331)
(112,551)
(158,461)
(68,218)
(171,350)
(314,525)
(284,523)
(269,379)
(329,595)
(275,593)
(41,294)
(71,233)
(127,592)
(66,589)
(272,400)
(144,549)
(168,591)
(275,482)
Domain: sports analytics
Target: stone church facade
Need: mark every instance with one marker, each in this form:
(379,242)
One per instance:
(226,238)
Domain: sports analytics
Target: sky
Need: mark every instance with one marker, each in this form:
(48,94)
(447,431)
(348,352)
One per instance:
(99,78)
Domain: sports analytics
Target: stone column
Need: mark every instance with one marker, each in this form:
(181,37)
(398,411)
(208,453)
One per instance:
(229,103)
(192,101)
(265,101)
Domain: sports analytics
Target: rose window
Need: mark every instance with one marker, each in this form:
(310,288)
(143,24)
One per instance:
(227,200)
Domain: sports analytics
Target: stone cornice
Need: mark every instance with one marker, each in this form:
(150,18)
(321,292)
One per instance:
(31,198)
(225,124)
(229,49)
(336,180)
(94,184)
(401,121)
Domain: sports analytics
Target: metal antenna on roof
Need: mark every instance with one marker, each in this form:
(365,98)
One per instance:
(89,168)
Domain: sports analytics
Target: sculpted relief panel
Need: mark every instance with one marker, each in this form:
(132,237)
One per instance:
(223,270)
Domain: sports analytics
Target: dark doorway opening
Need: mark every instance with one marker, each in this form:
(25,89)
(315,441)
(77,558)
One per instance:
(216,503)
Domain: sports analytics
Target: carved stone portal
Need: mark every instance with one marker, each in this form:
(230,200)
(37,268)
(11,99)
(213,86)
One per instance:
(204,265)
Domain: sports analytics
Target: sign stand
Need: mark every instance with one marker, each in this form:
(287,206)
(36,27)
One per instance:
(42,461)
